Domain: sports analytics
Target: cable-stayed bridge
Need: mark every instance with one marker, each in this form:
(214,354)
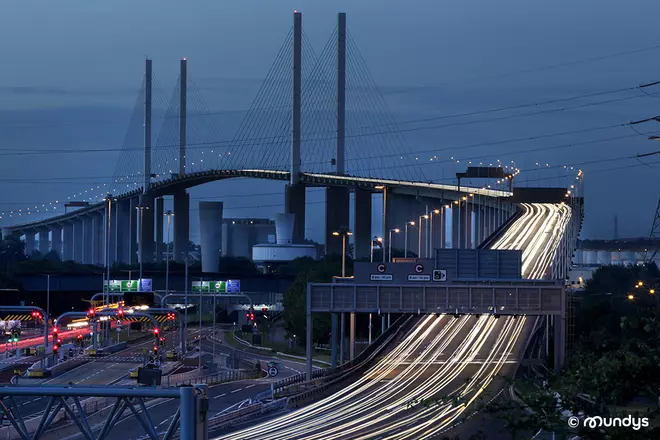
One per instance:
(317,121)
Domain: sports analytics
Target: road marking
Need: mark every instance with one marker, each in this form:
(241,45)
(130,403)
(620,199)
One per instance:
(236,391)
(250,386)
(220,395)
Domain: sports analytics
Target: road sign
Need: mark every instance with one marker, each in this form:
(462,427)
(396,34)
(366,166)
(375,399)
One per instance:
(419,277)
(272,371)
(381,268)
(419,268)
(381,277)
(440,275)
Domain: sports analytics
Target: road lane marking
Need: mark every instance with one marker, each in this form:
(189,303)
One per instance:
(220,395)
(236,391)
(250,386)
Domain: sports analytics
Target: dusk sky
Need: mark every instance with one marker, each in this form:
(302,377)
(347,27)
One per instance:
(72,70)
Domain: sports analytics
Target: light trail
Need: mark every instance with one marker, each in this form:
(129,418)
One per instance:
(434,364)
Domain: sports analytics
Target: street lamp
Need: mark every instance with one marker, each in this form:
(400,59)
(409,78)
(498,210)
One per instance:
(405,239)
(396,231)
(344,234)
(141,208)
(108,199)
(419,231)
(169,215)
(375,239)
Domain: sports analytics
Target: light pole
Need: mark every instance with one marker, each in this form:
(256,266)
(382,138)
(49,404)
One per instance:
(419,242)
(405,239)
(430,245)
(375,239)
(169,215)
(141,208)
(108,198)
(344,233)
(185,319)
(47,317)
(389,243)
(199,359)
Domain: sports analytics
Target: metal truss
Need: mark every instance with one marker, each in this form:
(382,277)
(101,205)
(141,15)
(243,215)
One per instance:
(64,403)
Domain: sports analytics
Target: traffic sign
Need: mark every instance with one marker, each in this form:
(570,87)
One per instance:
(380,277)
(440,275)
(381,268)
(272,371)
(424,277)
(419,268)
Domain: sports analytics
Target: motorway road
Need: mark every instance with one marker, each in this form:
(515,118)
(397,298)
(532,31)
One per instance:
(433,379)
(36,341)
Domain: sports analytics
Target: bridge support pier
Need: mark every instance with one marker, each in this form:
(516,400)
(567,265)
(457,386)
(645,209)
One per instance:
(181,225)
(336,217)
(210,230)
(559,322)
(98,226)
(146,232)
(402,209)
(121,232)
(294,201)
(87,240)
(56,241)
(333,339)
(382,324)
(78,240)
(43,242)
(132,235)
(29,243)
(455,227)
(160,214)
(467,234)
(362,223)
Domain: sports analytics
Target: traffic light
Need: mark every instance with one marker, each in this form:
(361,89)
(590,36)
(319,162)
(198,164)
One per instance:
(162,341)
(36,315)
(79,339)
(56,348)
(120,313)
(91,312)
(155,348)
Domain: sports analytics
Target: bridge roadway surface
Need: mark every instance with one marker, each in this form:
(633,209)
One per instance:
(221,396)
(453,363)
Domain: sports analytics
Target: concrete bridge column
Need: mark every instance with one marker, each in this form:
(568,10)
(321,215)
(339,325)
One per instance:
(146,225)
(119,231)
(67,248)
(132,235)
(56,240)
(98,227)
(210,230)
(160,214)
(29,242)
(78,240)
(87,240)
(44,242)
(362,223)
(351,338)
(294,201)
(181,225)
(336,217)
(455,227)
(468,237)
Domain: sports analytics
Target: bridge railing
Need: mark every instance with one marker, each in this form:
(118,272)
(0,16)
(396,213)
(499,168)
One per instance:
(355,366)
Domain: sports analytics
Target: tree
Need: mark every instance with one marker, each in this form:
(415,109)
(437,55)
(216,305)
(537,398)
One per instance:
(237,266)
(52,256)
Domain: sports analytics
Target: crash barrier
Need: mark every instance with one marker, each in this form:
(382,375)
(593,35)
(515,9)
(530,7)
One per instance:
(211,379)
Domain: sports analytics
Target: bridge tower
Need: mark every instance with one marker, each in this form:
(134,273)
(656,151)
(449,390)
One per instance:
(337,198)
(146,206)
(181,197)
(295,191)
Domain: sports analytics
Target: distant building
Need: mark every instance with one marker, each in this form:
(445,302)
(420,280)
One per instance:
(239,235)
(271,255)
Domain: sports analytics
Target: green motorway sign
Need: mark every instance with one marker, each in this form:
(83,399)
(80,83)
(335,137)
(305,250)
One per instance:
(210,286)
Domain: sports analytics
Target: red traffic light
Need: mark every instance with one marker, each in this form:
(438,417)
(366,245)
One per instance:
(156,331)
(55,330)
(56,347)
(59,341)
(91,312)
(120,312)
(79,337)
(265,309)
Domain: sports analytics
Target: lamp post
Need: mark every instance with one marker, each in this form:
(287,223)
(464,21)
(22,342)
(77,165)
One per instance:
(185,319)
(419,242)
(108,198)
(169,215)
(405,239)
(389,243)
(375,239)
(141,208)
(344,233)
